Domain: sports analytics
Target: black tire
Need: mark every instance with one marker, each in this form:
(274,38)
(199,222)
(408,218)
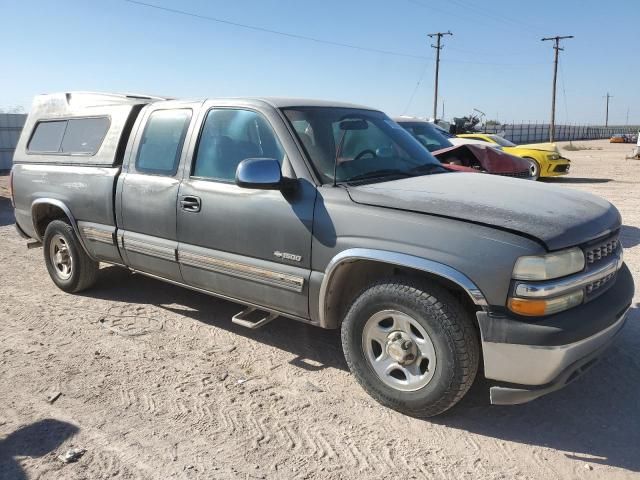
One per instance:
(536,174)
(451,332)
(83,270)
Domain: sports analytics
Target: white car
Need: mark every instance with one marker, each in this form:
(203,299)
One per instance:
(452,138)
(465,141)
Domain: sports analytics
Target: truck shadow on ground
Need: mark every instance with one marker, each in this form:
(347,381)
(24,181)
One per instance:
(315,348)
(576,180)
(594,419)
(6,212)
(35,440)
(630,236)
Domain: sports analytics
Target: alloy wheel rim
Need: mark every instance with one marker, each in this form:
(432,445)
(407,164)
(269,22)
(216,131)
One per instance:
(399,350)
(60,256)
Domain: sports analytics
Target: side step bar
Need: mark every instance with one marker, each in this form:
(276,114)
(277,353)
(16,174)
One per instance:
(253,318)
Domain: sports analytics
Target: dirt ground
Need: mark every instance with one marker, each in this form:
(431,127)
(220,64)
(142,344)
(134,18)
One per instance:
(157,383)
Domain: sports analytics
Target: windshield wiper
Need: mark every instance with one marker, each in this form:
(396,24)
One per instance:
(428,168)
(387,172)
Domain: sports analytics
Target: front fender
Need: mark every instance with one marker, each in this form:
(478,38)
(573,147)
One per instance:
(396,259)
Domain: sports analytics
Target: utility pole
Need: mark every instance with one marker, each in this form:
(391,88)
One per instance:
(557,48)
(438,47)
(606,115)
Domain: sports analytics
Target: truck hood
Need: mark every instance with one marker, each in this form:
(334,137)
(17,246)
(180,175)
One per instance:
(545,147)
(558,217)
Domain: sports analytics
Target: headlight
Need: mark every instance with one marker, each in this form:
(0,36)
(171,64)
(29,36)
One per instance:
(546,267)
(539,307)
(554,157)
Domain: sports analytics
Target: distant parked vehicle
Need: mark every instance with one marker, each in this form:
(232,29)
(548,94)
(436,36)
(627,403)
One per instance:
(623,138)
(479,156)
(457,140)
(546,158)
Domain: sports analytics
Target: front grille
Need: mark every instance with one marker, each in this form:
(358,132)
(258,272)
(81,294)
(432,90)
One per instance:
(596,252)
(561,168)
(522,174)
(593,286)
(602,250)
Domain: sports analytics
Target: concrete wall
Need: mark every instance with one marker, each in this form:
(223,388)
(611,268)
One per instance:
(10,128)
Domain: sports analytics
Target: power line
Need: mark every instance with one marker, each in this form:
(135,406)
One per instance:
(312,39)
(275,32)
(564,93)
(415,90)
(503,64)
(474,16)
(499,17)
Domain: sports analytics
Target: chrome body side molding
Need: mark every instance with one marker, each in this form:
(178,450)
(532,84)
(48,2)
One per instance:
(147,248)
(97,235)
(224,297)
(241,270)
(399,259)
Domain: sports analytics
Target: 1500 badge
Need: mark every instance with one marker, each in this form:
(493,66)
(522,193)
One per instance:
(288,256)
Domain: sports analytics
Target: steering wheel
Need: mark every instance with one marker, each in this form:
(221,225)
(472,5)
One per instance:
(363,153)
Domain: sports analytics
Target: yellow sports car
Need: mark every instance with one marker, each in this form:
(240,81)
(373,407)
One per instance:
(546,158)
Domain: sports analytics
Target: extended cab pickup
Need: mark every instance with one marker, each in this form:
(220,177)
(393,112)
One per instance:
(333,215)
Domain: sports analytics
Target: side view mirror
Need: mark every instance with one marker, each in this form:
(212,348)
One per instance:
(259,173)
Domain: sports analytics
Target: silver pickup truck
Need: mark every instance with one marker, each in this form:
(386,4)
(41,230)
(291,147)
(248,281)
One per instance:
(333,215)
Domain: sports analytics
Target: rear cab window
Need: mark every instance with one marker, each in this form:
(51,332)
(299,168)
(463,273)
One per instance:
(162,140)
(74,136)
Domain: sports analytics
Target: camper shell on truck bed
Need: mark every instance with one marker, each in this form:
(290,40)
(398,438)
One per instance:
(80,128)
(330,214)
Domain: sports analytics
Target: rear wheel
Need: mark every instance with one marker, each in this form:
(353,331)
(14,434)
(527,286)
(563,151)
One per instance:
(69,266)
(411,346)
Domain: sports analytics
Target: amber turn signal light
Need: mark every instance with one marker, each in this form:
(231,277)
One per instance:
(534,307)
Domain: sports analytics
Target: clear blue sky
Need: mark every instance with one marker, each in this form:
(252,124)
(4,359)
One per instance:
(494,62)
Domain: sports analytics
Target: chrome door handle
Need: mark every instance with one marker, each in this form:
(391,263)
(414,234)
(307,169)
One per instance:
(190,204)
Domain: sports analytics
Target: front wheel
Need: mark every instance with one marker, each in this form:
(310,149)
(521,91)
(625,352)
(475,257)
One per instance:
(534,169)
(69,266)
(411,346)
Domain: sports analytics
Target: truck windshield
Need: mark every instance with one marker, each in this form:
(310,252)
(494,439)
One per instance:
(359,145)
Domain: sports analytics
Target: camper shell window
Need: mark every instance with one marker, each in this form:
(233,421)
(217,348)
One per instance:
(73,136)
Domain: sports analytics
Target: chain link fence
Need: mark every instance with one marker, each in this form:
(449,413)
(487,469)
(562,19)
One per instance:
(520,133)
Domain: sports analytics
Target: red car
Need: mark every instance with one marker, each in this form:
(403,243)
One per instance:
(476,157)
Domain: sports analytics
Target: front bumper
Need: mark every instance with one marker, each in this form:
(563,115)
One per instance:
(529,359)
(556,168)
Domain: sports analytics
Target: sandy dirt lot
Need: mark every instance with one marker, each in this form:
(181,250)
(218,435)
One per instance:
(157,383)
